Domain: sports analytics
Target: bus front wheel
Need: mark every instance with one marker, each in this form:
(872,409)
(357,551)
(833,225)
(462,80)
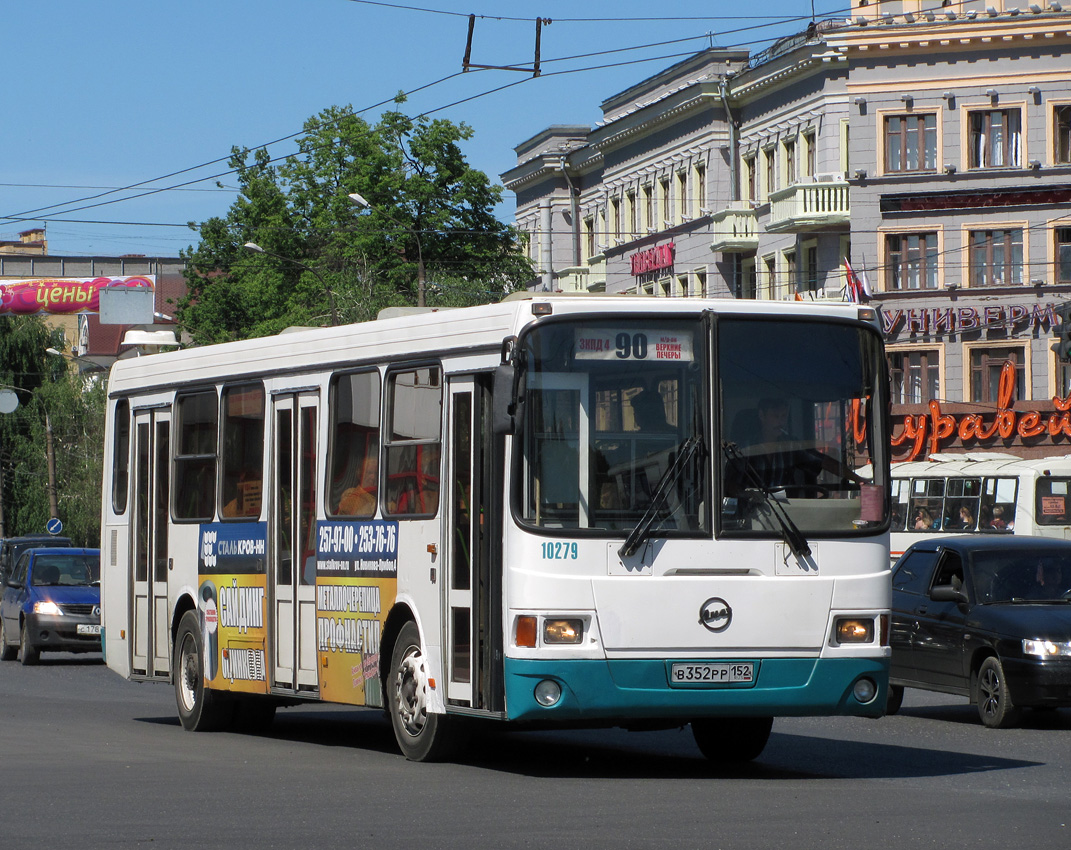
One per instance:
(421,735)
(732,740)
(199,708)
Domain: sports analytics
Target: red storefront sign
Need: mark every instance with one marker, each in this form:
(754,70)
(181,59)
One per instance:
(925,433)
(653,259)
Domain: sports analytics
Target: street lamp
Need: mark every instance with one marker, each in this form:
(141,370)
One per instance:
(256,249)
(361,202)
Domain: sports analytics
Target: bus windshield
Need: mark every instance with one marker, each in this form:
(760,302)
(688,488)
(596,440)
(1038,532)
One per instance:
(800,407)
(608,408)
(616,430)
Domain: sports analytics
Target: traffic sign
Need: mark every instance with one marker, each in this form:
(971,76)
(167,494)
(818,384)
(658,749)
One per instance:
(54,525)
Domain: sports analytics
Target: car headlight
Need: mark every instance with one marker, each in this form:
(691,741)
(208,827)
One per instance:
(1046,648)
(47,607)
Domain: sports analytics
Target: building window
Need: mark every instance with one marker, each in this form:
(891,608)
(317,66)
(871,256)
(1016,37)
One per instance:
(986,366)
(996,257)
(633,214)
(1063,134)
(810,260)
(1063,254)
(615,214)
(589,236)
(700,284)
(700,178)
(667,209)
(995,139)
(682,195)
(791,269)
(914,376)
(750,176)
(912,261)
(790,162)
(648,209)
(810,154)
(771,170)
(911,142)
(749,283)
(770,262)
(1063,378)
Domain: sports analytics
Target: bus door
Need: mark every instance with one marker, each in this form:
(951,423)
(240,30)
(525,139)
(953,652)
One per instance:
(292,572)
(472,580)
(150,646)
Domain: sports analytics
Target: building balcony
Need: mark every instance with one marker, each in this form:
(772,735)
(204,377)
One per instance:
(735,231)
(809,206)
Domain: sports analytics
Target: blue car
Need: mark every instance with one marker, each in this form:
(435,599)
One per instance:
(51,603)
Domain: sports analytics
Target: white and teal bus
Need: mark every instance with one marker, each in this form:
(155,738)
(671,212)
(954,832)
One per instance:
(550,511)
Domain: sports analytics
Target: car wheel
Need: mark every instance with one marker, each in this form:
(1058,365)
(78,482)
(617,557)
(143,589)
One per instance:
(421,735)
(28,653)
(8,651)
(894,700)
(991,695)
(732,740)
(200,709)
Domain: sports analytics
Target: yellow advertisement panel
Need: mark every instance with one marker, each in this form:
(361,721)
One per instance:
(356,583)
(232,603)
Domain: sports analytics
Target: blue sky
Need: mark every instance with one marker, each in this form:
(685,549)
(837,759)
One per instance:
(110,93)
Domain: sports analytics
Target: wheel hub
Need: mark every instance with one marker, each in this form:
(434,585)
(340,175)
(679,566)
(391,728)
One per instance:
(411,692)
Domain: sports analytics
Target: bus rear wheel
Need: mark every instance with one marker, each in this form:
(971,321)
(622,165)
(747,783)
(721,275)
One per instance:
(732,740)
(199,708)
(421,735)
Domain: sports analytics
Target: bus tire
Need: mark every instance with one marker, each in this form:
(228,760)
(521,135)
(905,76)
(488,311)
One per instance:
(995,706)
(421,735)
(894,700)
(199,708)
(732,740)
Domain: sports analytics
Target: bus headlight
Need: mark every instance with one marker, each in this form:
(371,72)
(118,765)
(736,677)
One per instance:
(548,692)
(853,630)
(563,631)
(865,690)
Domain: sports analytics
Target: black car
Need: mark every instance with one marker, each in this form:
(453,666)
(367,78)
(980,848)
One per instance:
(13,547)
(985,617)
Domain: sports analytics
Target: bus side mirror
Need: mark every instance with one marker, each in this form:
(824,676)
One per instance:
(503,404)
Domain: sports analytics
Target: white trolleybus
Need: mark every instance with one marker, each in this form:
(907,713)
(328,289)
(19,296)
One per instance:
(980,493)
(551,511)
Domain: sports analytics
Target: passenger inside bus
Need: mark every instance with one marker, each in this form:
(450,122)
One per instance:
(923,520)
(359,500)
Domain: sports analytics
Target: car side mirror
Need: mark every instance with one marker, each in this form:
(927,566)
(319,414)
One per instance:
(947,593)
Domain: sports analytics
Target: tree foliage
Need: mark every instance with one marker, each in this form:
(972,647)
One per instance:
(49,394)
(323,251)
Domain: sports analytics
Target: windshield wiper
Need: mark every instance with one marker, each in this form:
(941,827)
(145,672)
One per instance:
(642,530)
(790,532)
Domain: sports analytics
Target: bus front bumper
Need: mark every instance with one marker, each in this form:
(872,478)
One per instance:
(623,690)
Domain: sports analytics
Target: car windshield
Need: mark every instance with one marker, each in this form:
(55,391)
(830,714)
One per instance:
(1037,576)
(76,570)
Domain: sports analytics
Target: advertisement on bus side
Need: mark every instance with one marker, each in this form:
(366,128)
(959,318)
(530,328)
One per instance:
(356,583)
(232,603)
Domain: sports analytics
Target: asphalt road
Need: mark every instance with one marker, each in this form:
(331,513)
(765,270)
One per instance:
(88,760)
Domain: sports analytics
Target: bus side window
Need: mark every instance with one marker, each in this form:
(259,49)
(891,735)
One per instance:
(412,449)
(195,457)
(243,450)
(354,452)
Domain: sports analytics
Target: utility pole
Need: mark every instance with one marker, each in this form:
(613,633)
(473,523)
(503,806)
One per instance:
(53,504)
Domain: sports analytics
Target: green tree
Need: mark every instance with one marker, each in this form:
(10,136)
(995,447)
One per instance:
(48,394)
(426,204)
